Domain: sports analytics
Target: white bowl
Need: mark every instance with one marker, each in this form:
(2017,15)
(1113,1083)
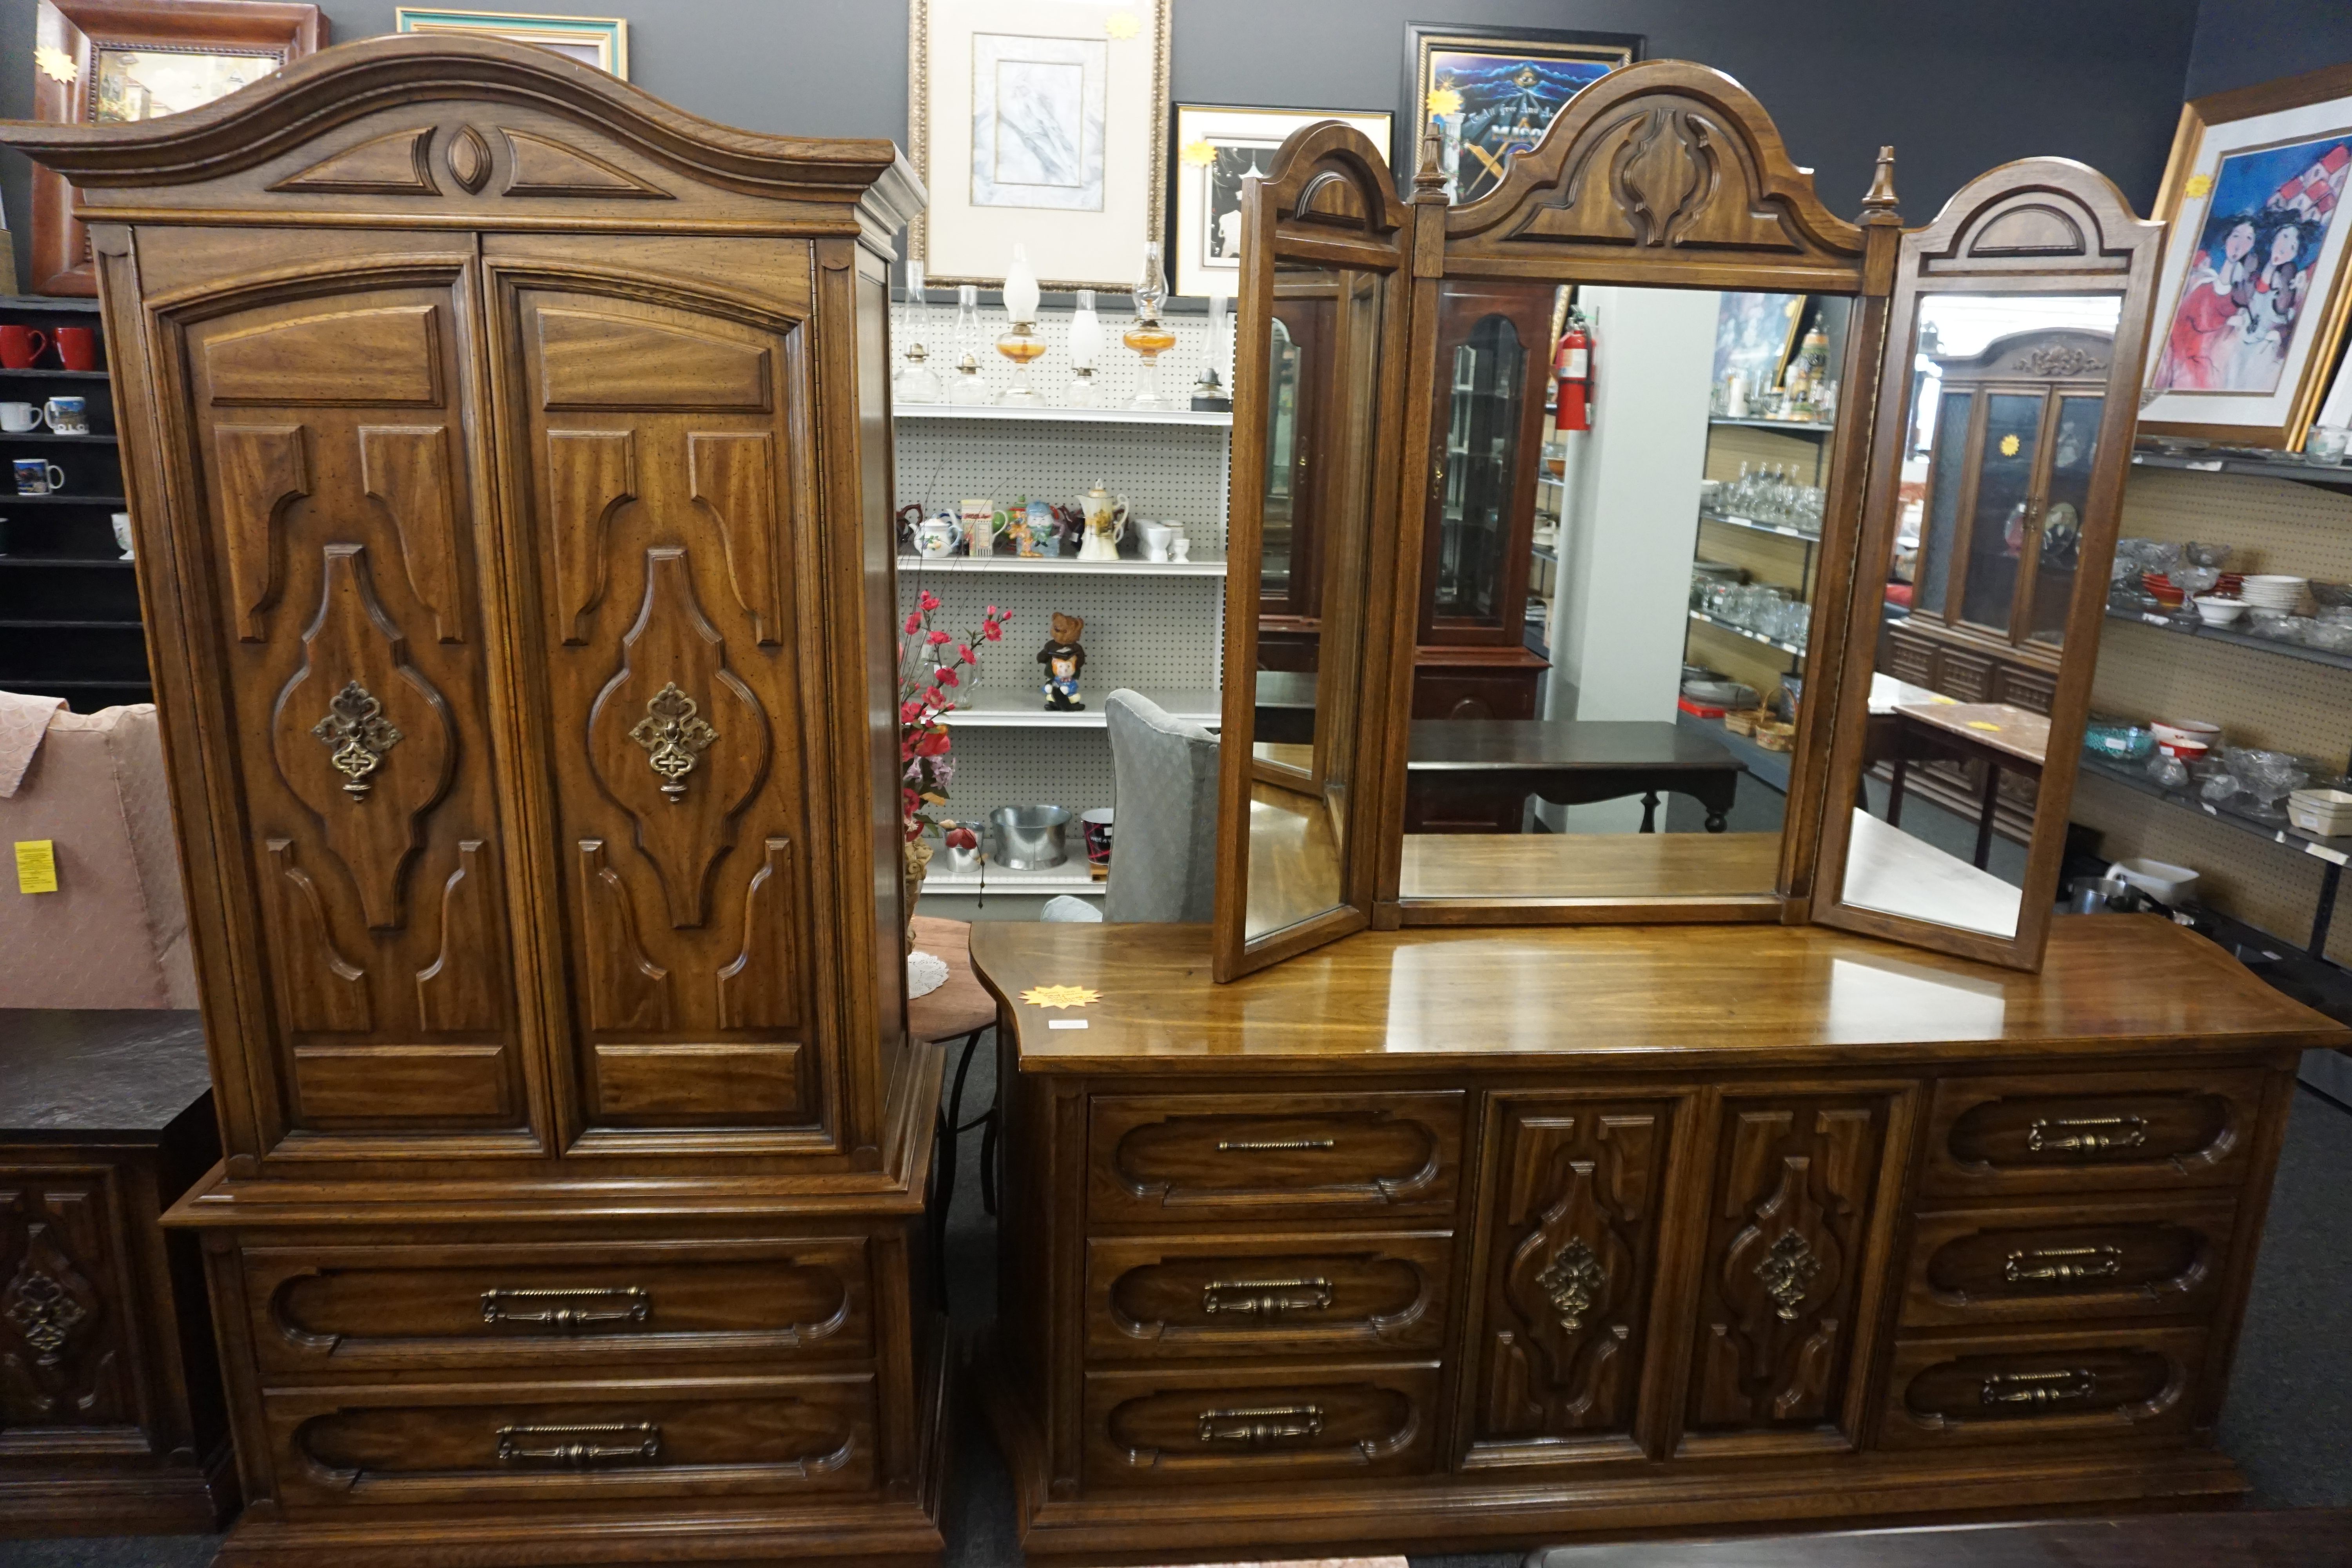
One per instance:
(2159,879)
(2219,612)
(2195,730)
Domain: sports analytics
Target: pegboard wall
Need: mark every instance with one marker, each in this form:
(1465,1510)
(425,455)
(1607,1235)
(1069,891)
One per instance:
(1116,366)
(2258,699)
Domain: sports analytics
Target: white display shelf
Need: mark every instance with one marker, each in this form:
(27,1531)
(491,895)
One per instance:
(913,565)
(1070,877)
(1024,709)
(1049,415)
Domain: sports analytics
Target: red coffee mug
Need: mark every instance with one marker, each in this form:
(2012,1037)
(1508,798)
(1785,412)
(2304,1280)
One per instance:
(19,346)
(78,347)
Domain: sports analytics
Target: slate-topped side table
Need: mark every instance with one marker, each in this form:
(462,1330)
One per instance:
(110,1415)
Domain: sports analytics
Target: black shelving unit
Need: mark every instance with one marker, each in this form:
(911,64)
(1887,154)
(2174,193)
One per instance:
(69,623)
(2333,477)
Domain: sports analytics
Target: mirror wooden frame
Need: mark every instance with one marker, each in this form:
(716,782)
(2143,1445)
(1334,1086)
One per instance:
(2044,225)
(1328,200)
(1663,174)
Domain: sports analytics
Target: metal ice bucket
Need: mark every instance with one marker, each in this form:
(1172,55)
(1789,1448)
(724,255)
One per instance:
(1028,837)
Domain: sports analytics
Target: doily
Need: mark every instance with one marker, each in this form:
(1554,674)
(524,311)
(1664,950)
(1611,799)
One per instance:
(925,974)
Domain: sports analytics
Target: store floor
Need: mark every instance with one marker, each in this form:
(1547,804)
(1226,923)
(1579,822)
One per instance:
(2289,1420)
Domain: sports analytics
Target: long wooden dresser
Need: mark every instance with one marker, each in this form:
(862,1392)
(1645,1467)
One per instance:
(509,453)
(1439,1240)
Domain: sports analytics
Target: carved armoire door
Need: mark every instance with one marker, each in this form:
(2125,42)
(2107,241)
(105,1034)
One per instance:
(323,418)
(655,430)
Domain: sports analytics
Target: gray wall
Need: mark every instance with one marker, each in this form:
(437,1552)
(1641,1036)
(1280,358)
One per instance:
(2241,42)
(1957,86)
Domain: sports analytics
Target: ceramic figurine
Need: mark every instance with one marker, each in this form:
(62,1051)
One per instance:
(1072,521)
(1063,660)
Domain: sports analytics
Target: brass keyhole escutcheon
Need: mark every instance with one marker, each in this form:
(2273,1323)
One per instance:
(675,736)
(359,733)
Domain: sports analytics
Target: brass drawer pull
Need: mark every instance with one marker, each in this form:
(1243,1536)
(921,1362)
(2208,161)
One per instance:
(2039,1387)
(2061,1264)
(2086,1134)
(675,736)
(1257,1145)
(582,1450)
(1271,1424)
(635,1305)
(1268,1297)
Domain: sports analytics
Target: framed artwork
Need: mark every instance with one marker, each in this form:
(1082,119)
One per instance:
(2252,297)
(105,62)
(1216,148)
(1494,91)
(599,41)
(1754,335)
(1043,123)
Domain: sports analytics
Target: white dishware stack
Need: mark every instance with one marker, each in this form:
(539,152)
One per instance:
(2278,593)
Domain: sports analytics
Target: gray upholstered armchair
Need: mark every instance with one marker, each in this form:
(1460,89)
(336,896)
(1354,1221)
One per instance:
(1164,868)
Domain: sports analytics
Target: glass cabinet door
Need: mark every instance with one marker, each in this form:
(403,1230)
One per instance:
(1284,463)
(1946,481)
(2002,519)
(2065,493)
(1481,462)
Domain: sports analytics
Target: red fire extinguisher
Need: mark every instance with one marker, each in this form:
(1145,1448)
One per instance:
(1571,367)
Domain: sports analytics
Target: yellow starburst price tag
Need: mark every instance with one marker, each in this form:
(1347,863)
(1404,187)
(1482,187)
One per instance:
(2197,185)
(2009,446)
(1200,154)
(1059,996)
(1445,100)
(55,64)
(1121,24)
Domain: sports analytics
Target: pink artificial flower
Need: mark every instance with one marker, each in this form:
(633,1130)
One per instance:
(949,677)
(935,638)
(929,601)
(914,623)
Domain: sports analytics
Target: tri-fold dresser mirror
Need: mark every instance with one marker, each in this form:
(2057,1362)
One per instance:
(1965,442)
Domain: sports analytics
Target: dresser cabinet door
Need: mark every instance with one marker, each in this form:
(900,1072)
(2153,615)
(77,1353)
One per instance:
(657,437)
(329,431)
(1790,1236)
(68,1308)
(1572,1253)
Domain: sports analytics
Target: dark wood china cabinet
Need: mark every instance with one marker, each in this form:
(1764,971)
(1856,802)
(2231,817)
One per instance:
(509,453)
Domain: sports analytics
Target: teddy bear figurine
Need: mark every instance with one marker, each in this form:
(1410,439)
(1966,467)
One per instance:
(1063,660)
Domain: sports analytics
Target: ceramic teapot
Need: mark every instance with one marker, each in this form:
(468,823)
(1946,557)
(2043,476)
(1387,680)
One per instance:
(1106,524)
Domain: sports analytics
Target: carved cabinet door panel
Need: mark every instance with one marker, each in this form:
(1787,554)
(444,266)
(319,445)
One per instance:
(1571,1247)
(1795,1226)
(326,426)
(656,439)
(68,1344)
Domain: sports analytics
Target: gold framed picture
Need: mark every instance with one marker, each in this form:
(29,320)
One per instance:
(599,41)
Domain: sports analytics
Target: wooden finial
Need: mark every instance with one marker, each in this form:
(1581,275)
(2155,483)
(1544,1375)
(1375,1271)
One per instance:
(1429,180)
(1881,198)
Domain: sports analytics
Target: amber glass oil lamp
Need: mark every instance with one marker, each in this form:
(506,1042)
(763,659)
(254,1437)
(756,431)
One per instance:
(1149,337)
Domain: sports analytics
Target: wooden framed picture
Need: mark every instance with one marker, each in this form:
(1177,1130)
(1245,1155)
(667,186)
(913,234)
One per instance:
(599,41)
(107,61)
(1218,147)
(1041,123)
(2253,294)
(1494,91)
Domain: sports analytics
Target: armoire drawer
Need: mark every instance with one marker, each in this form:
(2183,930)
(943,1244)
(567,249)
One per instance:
(2092,1131)
(337,1308)
(1179,1158)
(1283,1294)
(509,1443)
(1943,1391)
(1212,1426)
(2109,1257)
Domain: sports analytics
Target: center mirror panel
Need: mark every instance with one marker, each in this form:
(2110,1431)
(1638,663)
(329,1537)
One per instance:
(1663,544)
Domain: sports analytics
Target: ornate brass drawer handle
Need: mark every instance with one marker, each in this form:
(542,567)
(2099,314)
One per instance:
(2061,1264)
(1269,1424)
(2039,1388)
(1265,1145)
(1266,1298)
(634,1305)
(674,737)
(359,733)
(583,1449)
(2086,1134)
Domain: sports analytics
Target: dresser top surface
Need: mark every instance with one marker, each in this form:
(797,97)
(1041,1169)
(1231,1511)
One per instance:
(103,1070)
(1629,996)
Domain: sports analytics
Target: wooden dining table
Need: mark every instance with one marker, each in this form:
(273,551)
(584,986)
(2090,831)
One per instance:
(2004,738)
(1476,775)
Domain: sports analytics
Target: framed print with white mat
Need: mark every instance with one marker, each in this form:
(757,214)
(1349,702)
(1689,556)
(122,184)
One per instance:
(2252,295)
(1217,148)
(1041,123)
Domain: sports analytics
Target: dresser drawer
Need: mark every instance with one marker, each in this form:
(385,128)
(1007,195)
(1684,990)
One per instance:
(1176,1158)
(2090,1133)
(2109,1257)
(1152,1297)
(2023,1388)
(335,1309)
(1216,1427)
(505,1444)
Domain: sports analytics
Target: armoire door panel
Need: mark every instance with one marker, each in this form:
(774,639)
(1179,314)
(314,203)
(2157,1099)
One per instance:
(649,425)
(68,1344)
(328,431)
(1573,1253)
(1789,1228)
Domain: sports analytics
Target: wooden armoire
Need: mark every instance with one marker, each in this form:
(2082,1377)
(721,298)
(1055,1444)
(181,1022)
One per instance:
(509,456)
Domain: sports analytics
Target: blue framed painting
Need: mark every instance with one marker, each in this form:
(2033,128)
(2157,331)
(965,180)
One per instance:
(599,41)
(1492,92)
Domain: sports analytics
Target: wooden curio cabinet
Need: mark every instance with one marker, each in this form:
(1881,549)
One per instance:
(509,453)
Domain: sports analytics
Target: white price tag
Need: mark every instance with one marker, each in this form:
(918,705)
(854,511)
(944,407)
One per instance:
(1066,1023)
